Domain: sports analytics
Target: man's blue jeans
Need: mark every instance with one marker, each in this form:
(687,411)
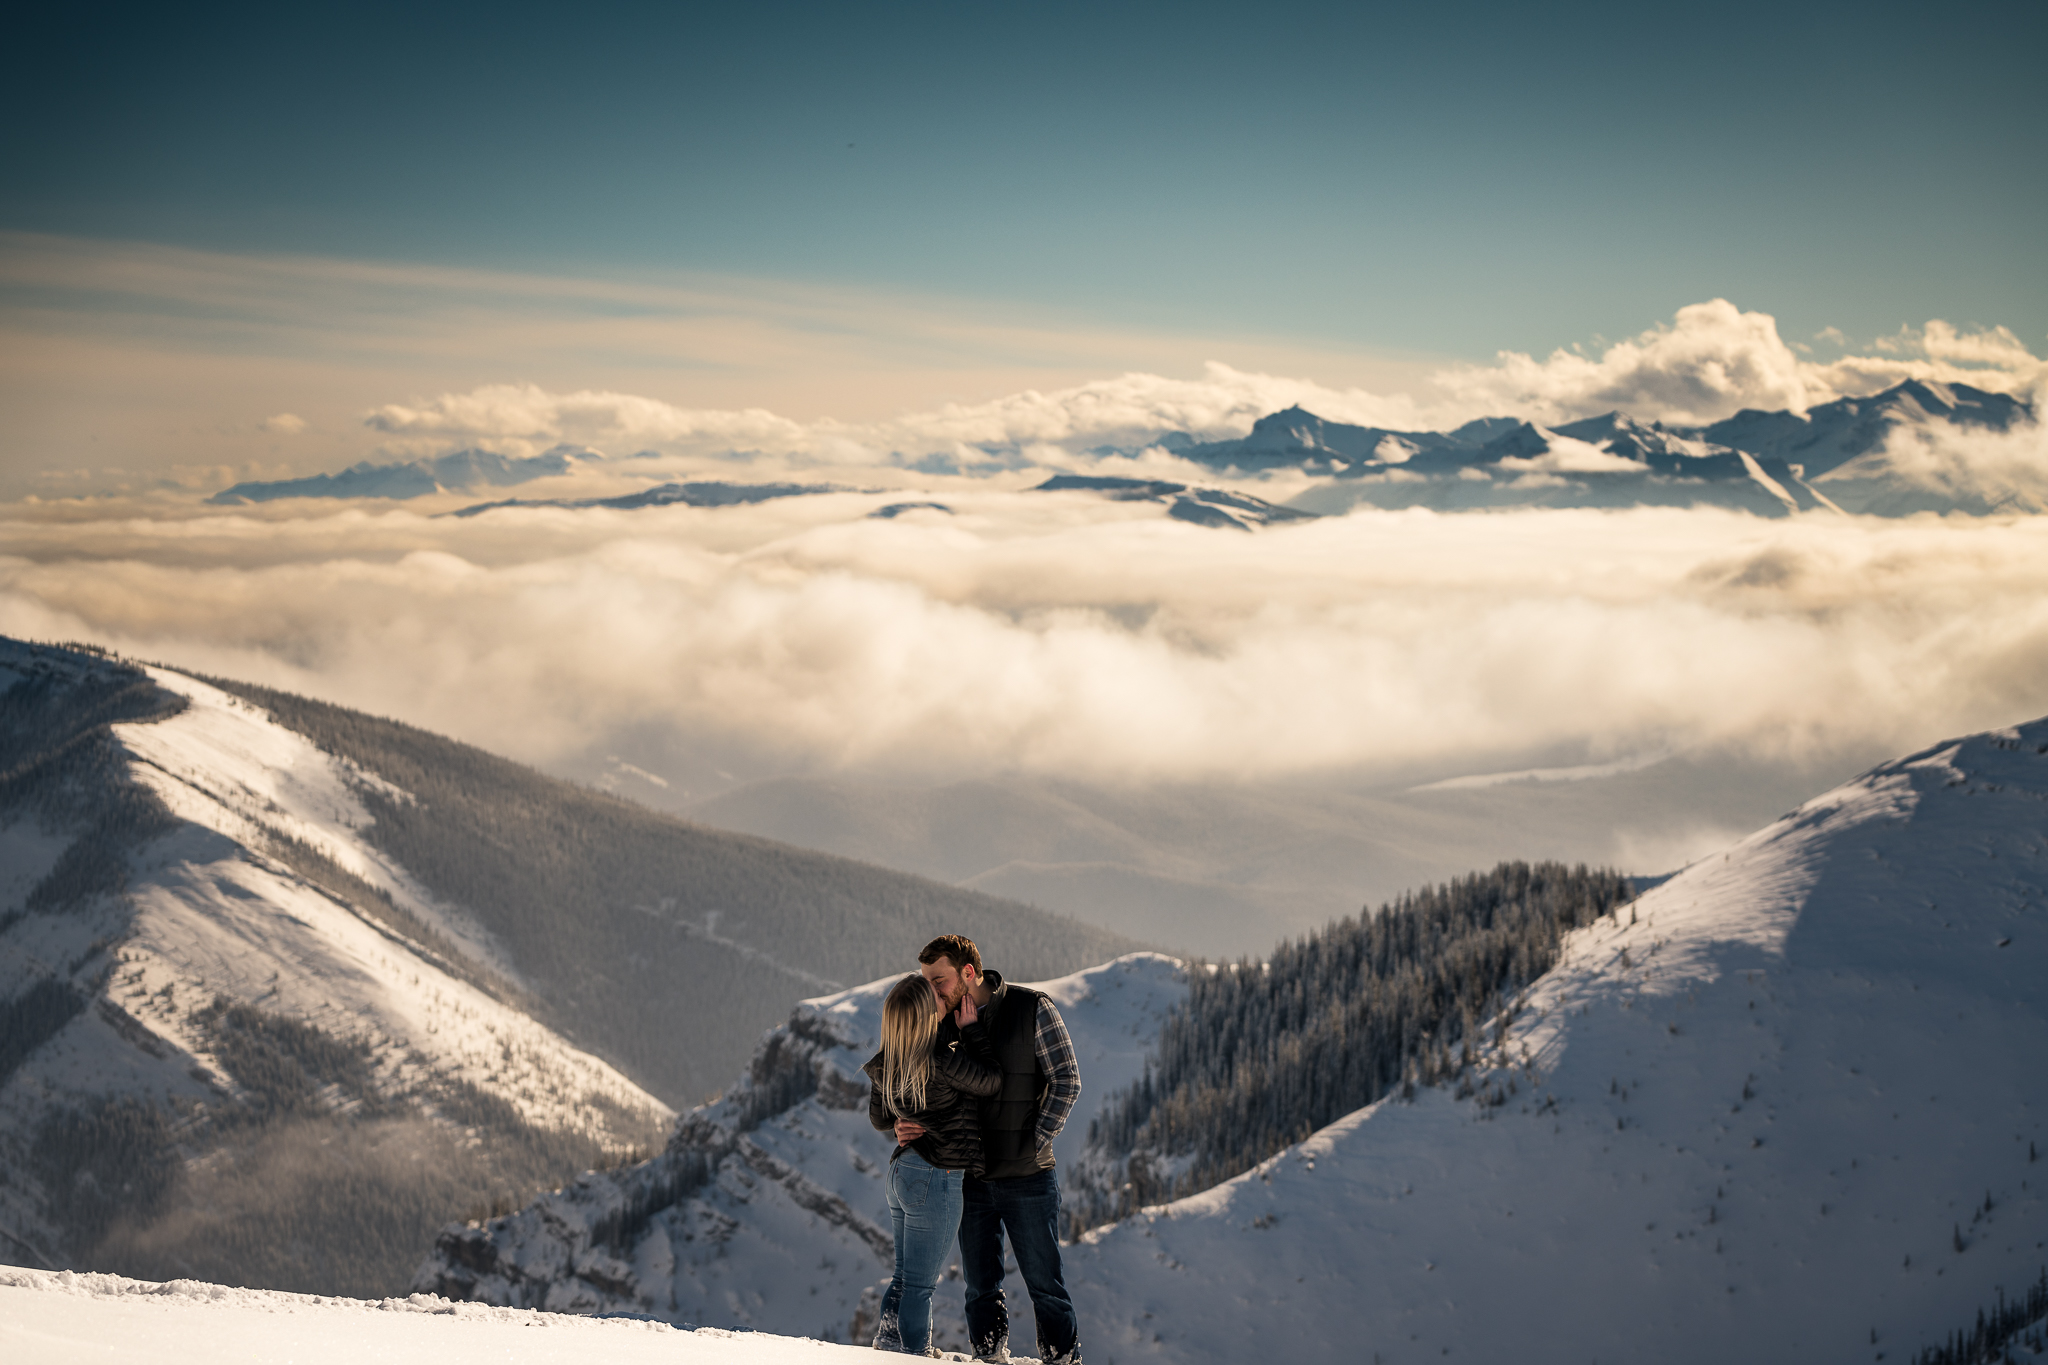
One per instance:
(924,1213)
(1028,1209)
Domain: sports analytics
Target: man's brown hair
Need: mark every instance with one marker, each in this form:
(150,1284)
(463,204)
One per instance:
(958,948)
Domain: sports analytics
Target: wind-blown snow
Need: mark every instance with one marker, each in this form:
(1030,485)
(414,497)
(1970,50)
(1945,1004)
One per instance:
(1579,773)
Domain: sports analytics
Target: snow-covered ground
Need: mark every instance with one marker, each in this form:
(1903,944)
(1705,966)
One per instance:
(1789,1106)
(63,1319)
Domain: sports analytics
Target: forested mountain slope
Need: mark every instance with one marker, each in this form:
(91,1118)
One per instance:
(1262,1054)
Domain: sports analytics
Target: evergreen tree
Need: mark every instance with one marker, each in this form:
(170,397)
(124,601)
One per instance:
(1260,1055)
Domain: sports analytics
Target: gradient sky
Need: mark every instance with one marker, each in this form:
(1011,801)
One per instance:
(1447,179)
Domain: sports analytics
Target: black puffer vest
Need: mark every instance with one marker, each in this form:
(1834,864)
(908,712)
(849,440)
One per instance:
(1009,1120)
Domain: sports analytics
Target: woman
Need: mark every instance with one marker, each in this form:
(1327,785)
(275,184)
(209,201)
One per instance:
(931,1069)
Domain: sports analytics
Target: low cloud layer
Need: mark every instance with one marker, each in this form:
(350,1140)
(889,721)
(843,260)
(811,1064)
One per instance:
(1061,635)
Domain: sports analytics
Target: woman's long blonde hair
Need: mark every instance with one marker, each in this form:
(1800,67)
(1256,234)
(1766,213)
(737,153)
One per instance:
(910,1023)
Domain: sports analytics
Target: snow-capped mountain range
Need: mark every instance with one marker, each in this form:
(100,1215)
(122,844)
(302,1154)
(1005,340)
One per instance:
(1770,463)
(1788,1104)
(1836,456)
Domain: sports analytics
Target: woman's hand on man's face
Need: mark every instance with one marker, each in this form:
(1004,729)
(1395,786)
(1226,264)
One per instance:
(967,1013)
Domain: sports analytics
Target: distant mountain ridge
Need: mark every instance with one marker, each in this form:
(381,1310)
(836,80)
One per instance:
(1768,463)
(1217,507)
(1834,433)
(700,493)
(455,471)
(1297,438)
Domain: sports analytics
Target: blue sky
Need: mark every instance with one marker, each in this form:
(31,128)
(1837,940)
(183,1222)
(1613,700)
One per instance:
(1449,179)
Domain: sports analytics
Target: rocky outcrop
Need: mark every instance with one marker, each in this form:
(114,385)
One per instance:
(583,1247)
(768,1208)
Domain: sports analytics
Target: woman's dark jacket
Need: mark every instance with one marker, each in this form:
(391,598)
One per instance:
(964,1071)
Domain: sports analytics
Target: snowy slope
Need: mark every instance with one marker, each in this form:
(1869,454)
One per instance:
(273,1015)
(207,914)
(768,1209)
(213,915)
(1793,1098)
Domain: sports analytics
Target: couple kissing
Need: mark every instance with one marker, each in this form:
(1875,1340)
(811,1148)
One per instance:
(975,1078)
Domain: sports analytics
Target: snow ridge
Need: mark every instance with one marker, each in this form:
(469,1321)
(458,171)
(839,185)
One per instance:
(1789,1099)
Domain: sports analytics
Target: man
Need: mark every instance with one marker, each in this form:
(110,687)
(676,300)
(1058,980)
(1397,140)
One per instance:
(1019,1194)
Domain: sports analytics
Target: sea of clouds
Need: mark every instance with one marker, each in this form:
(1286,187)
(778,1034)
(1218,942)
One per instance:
(1053,634)
(1060,634)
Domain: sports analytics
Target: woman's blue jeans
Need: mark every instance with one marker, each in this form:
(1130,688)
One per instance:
(924,1218)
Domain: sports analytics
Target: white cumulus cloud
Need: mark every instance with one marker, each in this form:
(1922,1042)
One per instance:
(1713,359)
(1710,361)
(1126,410)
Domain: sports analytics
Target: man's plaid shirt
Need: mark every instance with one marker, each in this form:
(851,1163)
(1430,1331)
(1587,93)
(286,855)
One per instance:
(1062,1072)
